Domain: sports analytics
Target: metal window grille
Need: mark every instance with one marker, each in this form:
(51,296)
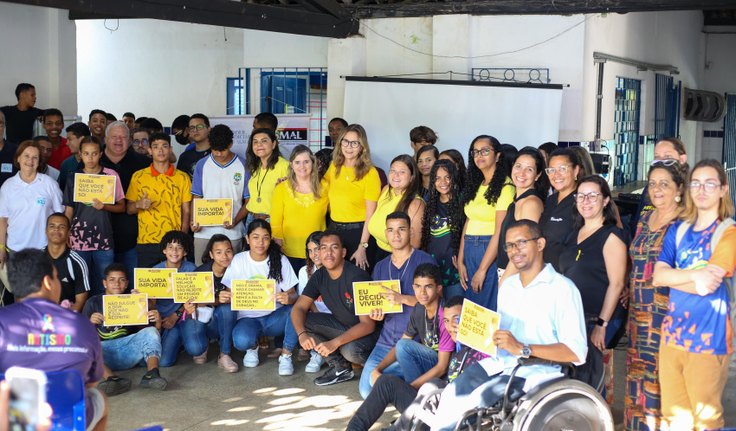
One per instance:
(526,75)
(729,143)
(626,130)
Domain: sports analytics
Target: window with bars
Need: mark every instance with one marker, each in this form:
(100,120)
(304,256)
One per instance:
(626,130)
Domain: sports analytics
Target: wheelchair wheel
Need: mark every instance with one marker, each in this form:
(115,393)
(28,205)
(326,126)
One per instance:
(567,405)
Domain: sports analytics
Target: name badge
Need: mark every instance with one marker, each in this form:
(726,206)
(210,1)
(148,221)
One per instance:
(6,168)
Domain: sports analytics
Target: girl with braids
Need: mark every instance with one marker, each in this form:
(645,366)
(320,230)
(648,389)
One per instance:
(264,260)
(458,160)
(530,180)
(443,224)
(487,195)
(401,194)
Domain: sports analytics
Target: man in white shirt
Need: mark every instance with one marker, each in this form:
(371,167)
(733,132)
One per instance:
(541,316)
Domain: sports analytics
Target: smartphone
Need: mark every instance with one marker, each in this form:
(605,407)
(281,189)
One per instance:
(27,397)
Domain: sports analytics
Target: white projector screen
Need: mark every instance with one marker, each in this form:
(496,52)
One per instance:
(458,111)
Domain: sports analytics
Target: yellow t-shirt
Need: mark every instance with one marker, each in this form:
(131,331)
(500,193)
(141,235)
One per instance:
(348,195)
(481,216)
(261,185)
(294,216)
(167,192)
(377,224)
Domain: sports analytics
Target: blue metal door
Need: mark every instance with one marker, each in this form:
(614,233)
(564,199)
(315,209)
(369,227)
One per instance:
(729,143)
(283,94)
(626,130)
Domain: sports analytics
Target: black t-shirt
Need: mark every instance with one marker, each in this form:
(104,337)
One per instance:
(428,330)
(207,267)
(337,294)
(502,259)
(461,359)
(94,305)
(584,264)
(125,227)
(19,124)
(73,274)
(188,160)
(440,245)
(7,167)
(556,224)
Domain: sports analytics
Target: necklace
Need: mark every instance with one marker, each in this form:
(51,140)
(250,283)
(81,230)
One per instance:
(400,274)
(259,186)
(429,337)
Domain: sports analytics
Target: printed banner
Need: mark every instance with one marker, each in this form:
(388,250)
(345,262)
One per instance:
(369,295)
(156,282)
(213,212)
(253,295)
(88,187)
(199,287)
(476,328)
(125,310)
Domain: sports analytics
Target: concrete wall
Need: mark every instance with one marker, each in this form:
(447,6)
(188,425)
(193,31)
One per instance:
(37,45)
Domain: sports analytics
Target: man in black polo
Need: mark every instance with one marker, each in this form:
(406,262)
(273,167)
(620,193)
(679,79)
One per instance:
(72,269)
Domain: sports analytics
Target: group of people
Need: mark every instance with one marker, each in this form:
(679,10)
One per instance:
(532,233)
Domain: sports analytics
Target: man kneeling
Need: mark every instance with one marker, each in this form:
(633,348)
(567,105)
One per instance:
(541,316)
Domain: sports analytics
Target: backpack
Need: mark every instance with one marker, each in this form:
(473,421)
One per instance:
(730,282)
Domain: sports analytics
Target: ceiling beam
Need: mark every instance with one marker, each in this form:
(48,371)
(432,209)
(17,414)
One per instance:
(213,12)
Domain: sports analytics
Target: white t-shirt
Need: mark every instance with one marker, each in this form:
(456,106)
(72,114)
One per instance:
(303,279)
(26,206)
(243,267)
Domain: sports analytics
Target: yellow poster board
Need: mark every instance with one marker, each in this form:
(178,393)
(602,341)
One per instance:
(199,287)
(253,295)
(125,310)
(369,295)
(213,212)
(88,187)
(156,282)
(477,326)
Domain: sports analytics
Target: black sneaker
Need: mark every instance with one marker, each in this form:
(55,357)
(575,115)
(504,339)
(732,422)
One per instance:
(114,385)
(336,374)
(153,380)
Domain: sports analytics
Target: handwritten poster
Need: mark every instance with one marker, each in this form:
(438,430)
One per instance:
(199,287)
(88,187)
(213,212)
(125,310)
(253,295)
(370,295)
(158,283)
(476,328)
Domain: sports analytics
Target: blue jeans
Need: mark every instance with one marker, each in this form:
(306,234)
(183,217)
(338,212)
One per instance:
(97,261)
(221,327)
(189,332)
(127,352)
(379,352)
(475,248)
(415,358)
(278,322)
(452,291)
(129,258)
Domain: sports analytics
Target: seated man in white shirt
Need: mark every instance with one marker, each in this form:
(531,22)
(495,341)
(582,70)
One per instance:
(541,316)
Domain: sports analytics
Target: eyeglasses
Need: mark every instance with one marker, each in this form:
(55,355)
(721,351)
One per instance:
(139,142)
(591,197)
(664,184)
(520,244)
(482,152)
(197,127)
(351,144)
(665,162)
(709,186)
(563,169)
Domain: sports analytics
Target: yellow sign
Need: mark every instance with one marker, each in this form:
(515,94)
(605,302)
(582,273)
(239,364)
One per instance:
(370,295)
(88,187)
(156,282)
(476,328)
(253,295)
(125,310)
(213,212)
(199,287)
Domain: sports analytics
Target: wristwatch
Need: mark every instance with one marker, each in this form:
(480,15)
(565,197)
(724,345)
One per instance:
(526,351)
(364,244)
(602,323)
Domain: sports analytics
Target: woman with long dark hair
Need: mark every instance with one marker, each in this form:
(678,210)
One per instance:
(487,195)
(426,157)
(458,160)
(267,168)
(264,260)
(443,224)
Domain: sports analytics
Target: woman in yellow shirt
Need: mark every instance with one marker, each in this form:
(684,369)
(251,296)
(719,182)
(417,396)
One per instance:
(354,187)
(299,206)
(401,194)
(487,195)
(267,168)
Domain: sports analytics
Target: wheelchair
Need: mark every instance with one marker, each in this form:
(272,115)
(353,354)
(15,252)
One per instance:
(561,404)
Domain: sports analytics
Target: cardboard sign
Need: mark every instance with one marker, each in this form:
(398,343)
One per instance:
(476,328)
(199,287)
(88,187)
(125,310)
(253,295)
(213,212)
(369,295)
(158,283)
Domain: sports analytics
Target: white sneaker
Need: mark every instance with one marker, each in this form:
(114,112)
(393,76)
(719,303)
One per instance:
(286,367)
(315,362)
(251,358)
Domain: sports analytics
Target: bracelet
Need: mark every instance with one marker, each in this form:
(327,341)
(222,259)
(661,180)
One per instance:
(300,334)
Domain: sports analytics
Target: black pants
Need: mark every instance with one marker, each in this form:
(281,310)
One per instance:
(324,327)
